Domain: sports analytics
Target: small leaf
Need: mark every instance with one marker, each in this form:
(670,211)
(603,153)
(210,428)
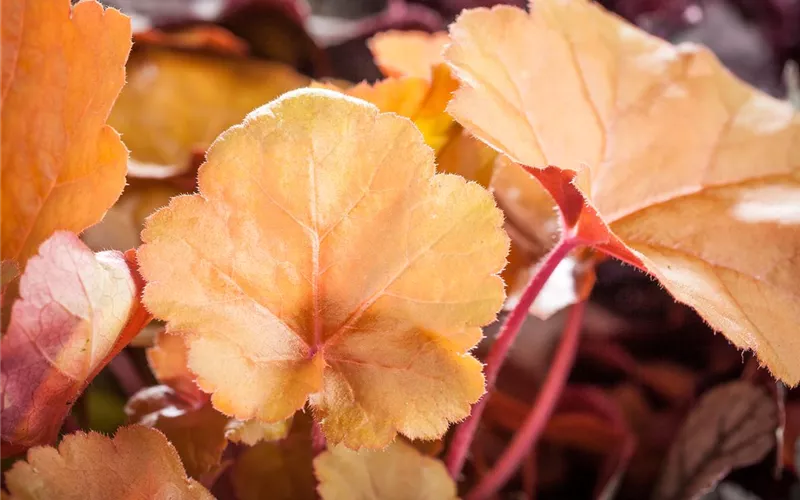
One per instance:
(76,312)
(655,153)
(137,463)
(169,362)
(279,470)
(251,432)
(397,472)
(197,432)
(62,166)
(408,53)
(264,272)
(732,426)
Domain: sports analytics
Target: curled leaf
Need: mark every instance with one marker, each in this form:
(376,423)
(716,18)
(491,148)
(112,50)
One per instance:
(397,472)
(63,67)
(265,274)
(663,157)
(732,426)
(77,310)
(137,463)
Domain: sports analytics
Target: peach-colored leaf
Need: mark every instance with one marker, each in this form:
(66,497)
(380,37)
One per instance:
(408,53)
(77,310)
(196,430)
(397,472)
(137,463)
(687,168)
(62,166)
(324,261)
(178,101)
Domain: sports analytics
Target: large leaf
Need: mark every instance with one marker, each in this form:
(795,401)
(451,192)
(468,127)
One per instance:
(689,173)
(62,166)
(137,463)
(324,261)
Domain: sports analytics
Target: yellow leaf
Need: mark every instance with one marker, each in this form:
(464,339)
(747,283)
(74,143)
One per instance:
(398,472)
(324,261)
(62,69)
(696,173)
(138,463)
(176,102)
(408,53)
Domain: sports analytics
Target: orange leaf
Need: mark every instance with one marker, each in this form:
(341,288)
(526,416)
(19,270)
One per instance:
(76,312)
(324,260)
(62,69)
(138,463)
(682,158)
(197,432)
(251,432)
(169,362)
(397,472)
(176,102)
(408,53)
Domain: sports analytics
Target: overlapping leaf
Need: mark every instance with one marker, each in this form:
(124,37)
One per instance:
(177,101)
(137,463)
(397,472)
(77,311)
(324,261)
(62,70)
(408,53)
(691,174)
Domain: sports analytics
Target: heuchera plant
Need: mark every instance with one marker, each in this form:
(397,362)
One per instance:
(322,289)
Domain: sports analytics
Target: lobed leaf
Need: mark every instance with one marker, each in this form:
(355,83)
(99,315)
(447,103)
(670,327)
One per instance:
(76,312)
(63,67)
(397,472)
(323,261)
(682,158)
(137,463)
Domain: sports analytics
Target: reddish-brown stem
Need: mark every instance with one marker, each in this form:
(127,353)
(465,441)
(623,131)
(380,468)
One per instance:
(540,412)
(124,370)
(465,432)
